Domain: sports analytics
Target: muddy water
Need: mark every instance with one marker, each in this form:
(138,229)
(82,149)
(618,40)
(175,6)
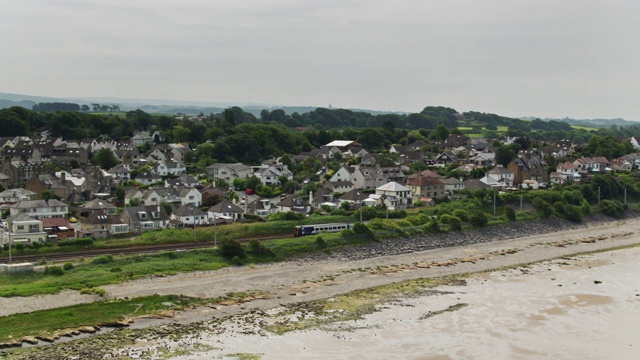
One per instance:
(582,308)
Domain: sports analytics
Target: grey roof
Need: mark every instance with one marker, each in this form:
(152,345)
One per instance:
(225,206)
(29,204)
(188,210)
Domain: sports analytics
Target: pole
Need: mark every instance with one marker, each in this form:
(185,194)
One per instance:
(598,195)
(9,238)
(625,196)
(494,203)
(520,202)
(215,230)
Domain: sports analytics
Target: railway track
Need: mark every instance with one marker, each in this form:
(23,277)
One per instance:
(59,257)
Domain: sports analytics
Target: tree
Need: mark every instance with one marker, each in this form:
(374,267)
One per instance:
(510,212)
(479,219)
(231,248)
(135,202)
(105,159)
(48,195)
(120,193)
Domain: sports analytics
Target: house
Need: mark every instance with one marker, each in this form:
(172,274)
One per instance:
(426,186)
(568,172)
(475,184)
(148,177)
(66,156)
(99,205)
(528,165)
(211,195)
(40,209)
(21,228)
(271,174)
(99,225)
(169,167)
(445,159)
(355,196)
(20,171)
(182,180)
(188,215)
(57,228)
(13,196)
(501,175)
(399,196)
(144,218)
(339,186)
(129,155)
(592,164)
(261,207)
(228,172)
(225,210)
(295,204)
(120,173)
(451,185)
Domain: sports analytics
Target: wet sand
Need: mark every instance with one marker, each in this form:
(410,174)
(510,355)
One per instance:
(587,307)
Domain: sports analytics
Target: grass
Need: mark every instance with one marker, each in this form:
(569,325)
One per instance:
(356,304)
(106,270)
(44,322)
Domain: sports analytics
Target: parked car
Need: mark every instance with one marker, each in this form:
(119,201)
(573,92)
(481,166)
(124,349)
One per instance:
(249,191)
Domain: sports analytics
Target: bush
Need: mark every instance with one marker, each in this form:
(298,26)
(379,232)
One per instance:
(433,227)
(462,215)
(454,223)
(347,233)
(543,207)
(102,259)
(67,266)
(19,246)
(572,213)
(289,215)
(76,242)
(236,261)
(510,212)
(612,208)
(54,270)
(479,219)
(259,249)
(230,248)
(321,242)
(360,228)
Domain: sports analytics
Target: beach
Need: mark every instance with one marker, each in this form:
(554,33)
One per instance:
(515,303)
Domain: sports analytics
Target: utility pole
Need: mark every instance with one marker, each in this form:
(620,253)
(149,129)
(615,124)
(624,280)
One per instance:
(9,238)
(494,203)
(598,195)
(215,230)
(520,202)
(625,196)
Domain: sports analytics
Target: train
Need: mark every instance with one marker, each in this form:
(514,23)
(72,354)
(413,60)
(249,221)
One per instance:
(303,230)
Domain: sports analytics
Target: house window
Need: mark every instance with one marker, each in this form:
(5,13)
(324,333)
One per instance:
(191,197)
(20,227)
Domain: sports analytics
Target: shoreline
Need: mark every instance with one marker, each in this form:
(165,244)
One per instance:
(302,281)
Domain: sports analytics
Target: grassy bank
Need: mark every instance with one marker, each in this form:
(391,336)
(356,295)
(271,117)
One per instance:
(104,270)
(50,322)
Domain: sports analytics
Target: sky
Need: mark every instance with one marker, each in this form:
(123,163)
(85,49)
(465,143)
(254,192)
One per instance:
(555,59)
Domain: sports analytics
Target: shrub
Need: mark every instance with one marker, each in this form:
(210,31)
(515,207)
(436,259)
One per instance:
(433,227)
(360,228)
(321,242)
(67,266)
(76,242)
(19,246)
(259,249)
(543,207)
(572,213)
(510,212)
(54,270)
(289,215)
(612,208)
(462,215)
(236,260)
(102,259)
(478,219)
(115,269)
(347,233)
(42,261)
(454,223)
(231,248)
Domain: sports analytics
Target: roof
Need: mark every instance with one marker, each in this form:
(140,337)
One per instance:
(340,143)
(28,204)
(392,186)
(188,210)
(20,217)
(225,206)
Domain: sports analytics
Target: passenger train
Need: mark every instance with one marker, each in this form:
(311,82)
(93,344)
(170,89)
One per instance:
(303,230)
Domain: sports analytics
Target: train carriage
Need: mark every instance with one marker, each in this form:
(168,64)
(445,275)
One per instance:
(303,230)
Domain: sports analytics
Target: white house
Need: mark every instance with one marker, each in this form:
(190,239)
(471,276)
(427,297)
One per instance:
(21,228)
(400,196)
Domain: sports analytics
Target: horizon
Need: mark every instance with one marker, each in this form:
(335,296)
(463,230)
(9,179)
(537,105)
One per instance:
(544,59)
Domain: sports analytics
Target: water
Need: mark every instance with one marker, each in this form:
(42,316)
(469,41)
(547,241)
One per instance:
(582,308)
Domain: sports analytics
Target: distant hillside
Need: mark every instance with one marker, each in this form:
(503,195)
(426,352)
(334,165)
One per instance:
(591,122)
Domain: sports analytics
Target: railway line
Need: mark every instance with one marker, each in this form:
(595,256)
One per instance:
(59,257)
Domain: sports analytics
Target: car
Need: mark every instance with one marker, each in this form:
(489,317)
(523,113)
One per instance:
(73,219)
(249,191)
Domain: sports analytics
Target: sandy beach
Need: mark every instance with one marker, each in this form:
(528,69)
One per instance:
(302,281)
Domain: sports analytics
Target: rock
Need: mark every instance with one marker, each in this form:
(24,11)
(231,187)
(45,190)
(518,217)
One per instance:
(597,282)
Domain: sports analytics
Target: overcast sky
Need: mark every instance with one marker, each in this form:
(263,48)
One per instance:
(573,58)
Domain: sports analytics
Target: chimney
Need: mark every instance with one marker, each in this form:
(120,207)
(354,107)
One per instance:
(63,176)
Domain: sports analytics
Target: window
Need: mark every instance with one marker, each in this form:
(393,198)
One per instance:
(33,227)
(20,227)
